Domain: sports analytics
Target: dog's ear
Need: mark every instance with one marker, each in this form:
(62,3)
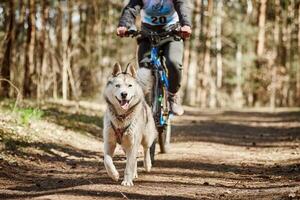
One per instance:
(117,69)
(130,69)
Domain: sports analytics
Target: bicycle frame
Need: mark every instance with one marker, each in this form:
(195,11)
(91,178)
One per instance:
(160,89)
(156,62)
(160,104)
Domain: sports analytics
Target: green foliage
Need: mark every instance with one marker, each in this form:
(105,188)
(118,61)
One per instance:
(24,114)
(28,114)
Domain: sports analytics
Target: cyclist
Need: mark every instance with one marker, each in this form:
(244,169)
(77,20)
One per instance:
(157,15)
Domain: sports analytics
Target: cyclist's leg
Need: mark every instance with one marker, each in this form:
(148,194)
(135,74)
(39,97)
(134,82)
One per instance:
(144,75)
(144,49)
(173,53)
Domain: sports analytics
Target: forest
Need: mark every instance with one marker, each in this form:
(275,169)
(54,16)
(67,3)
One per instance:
(242,53)
(239,135)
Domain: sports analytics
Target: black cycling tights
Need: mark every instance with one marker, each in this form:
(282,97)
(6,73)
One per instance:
(173,52)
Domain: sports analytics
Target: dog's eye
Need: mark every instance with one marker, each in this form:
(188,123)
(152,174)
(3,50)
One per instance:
(129,85)
(118,85)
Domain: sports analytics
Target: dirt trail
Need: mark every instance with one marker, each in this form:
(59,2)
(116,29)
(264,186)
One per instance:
(215,155)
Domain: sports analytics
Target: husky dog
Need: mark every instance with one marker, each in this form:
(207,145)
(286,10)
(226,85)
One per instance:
(127,121)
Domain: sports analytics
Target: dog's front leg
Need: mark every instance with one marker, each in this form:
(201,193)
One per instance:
(135,171)
(147,159)
(109,148)
(130,169)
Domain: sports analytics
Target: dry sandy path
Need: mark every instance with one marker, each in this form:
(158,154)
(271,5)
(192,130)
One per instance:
(215,155)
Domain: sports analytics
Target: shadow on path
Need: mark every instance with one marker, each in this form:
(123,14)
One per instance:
(251,129)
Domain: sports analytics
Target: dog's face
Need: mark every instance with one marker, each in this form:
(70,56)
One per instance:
(122,89)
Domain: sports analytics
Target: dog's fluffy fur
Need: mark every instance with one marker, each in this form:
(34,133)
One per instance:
(130,114)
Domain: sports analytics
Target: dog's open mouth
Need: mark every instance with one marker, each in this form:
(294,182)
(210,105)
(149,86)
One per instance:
(124,103)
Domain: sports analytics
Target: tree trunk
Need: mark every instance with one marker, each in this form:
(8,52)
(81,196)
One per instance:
(17,68)
(286,39)
(208,83)
(191,87)
(289,28)
(67,48)
(259,47)
(65,59)
(298,65)
(8,46)
(238,93)
(261,28)
(29,54)
(186,62)
(275,58)
(58,56)
(44,53)
(249,7)
(219,43)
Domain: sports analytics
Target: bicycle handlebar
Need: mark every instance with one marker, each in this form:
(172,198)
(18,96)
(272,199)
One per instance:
(151,34)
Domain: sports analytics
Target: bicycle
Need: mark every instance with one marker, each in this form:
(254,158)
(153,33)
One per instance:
(159,101)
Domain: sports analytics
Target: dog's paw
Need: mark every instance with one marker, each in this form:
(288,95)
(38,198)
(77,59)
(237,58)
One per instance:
(127,183)
(135,175)
(147,166)
(114,175)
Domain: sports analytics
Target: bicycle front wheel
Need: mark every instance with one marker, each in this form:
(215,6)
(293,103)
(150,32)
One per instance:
(164,137)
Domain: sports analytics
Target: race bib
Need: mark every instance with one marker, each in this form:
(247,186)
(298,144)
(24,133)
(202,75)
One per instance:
(159,12)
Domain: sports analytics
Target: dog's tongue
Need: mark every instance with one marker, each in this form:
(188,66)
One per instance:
(124,104)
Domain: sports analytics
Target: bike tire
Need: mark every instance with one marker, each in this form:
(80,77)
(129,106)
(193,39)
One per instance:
(164,137)
(152,151)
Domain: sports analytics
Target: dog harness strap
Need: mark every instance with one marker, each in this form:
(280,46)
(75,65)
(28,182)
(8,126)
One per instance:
(119,132)
(123,116)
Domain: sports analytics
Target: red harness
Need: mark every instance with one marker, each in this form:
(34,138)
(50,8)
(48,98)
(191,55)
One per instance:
(119,132)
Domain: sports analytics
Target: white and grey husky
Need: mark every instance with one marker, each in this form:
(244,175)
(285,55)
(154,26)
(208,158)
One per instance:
(128,121)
